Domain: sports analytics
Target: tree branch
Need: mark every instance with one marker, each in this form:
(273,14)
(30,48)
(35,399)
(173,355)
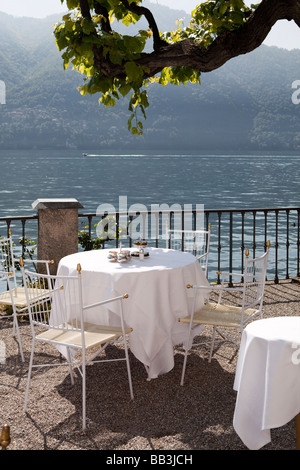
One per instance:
(157,41)
(105,23)
(231,44)
(85,9)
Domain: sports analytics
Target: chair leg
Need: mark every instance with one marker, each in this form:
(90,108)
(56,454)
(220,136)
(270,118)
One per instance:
(212,344)
(187,346)
(16,329)
(70,366)
(128,369)
(184,366)
(29,375)
(83,392)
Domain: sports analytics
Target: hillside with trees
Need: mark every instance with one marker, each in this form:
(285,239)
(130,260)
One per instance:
(245,105)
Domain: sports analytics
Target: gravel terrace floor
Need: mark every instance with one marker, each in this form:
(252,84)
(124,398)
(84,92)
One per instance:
(163,415)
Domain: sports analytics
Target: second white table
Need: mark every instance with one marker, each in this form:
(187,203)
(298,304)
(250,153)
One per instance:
(267,379)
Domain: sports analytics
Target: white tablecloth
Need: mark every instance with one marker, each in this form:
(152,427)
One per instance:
(157,298)
(267,379)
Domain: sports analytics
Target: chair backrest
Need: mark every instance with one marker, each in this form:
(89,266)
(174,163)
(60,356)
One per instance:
(193,241)
(56,302)
(7,259)
(254,280)
(53,301)
(5,279)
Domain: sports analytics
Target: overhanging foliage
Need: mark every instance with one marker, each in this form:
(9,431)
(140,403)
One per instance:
(117,65)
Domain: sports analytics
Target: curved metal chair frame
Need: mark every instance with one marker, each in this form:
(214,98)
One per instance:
(193,241)
(13,293)
(218,314)
(61,322)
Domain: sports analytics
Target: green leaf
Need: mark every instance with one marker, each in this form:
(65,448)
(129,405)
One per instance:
(107,100)
(71,4)
(130,121)
(125,89)
(116,56)
(133,71)
(129,18)
(223,8)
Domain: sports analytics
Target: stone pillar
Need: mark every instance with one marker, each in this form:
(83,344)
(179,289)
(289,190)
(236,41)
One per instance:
(57,229)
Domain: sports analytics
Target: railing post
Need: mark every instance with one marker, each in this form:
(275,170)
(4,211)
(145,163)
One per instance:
(254,233)
(57,228)
(287,242)
(276,280)
(219,245)
(243,241)
(230,246)
(298,243)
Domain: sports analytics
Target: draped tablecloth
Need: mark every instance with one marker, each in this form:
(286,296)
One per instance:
(267,379)
(157,292)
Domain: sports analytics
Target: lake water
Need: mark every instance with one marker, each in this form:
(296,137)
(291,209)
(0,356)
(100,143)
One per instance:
(214,181)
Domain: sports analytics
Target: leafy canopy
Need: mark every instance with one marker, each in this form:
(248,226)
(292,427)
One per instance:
(86,33)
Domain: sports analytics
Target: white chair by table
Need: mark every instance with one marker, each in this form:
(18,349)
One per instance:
(72,333)
(17,301)
(192,241)
(218,314)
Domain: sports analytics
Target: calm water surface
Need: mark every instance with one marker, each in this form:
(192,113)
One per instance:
(215,181)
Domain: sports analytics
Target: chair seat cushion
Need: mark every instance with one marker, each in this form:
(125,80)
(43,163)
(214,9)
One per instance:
(93,334)
(19,297)
(221,315)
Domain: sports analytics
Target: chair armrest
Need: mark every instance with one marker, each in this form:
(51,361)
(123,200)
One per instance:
(225,273)
(107,301)
(47,261)
(202,256)
(217,288)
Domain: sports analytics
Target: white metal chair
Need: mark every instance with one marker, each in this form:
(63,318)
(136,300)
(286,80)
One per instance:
(192,241)
(226,315)
(62,321)
(14,295)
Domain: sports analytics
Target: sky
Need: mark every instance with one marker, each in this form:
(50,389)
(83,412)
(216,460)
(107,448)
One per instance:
(284,34)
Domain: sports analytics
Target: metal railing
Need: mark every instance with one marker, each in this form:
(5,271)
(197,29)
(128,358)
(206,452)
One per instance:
(252,228)
(18,225)
(233,231)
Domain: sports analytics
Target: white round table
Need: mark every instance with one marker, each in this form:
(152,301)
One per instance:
(157,293)
(267,379)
